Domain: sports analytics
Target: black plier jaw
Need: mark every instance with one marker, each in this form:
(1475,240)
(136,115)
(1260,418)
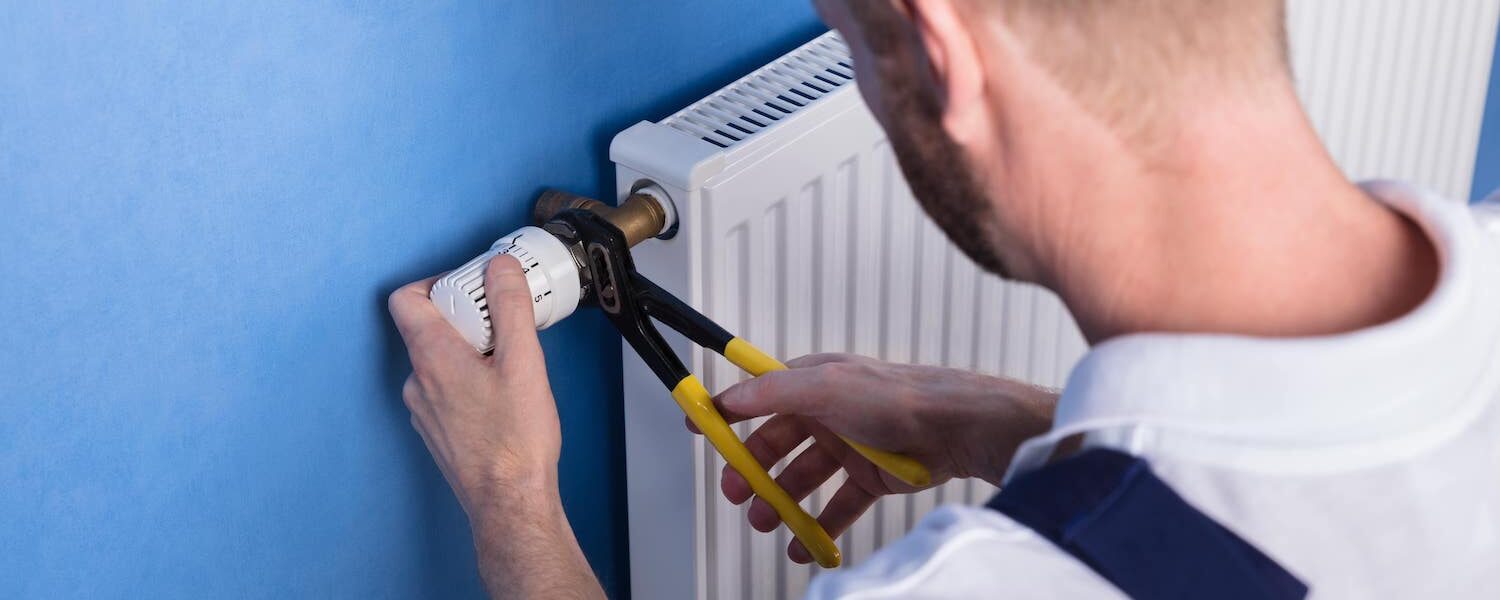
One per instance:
(630,301)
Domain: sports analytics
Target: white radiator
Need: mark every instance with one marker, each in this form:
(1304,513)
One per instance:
(798,233)
(1397,88)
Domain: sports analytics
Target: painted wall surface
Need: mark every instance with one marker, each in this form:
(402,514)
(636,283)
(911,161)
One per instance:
(1487,163)
(203,206)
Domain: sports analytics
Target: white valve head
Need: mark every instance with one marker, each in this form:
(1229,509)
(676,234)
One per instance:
(550,273)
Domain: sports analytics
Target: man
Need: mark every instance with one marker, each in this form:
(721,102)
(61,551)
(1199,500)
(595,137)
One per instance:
(1301,370)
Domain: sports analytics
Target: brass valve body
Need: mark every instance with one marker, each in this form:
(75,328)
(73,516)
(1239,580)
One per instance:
(640,217)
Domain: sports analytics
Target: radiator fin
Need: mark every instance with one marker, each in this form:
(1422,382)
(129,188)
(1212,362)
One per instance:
(1396,88)
(770,94)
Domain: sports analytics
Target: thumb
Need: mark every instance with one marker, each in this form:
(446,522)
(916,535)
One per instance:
(778,392)
(512,316)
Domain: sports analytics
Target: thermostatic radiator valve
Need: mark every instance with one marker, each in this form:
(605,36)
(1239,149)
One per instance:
(555,271)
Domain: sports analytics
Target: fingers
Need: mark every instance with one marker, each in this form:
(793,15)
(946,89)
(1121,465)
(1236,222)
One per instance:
(795,391)
(752,398)
(803,475)
(428,336)
(823,384)
(769,443)
(512,316)
(406,307)
(842,510)
(730,417)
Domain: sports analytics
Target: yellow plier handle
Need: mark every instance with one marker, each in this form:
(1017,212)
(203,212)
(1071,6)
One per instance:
(695,401)
(630,302)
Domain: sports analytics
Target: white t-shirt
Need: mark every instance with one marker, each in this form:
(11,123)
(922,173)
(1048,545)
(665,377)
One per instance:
(1367,464)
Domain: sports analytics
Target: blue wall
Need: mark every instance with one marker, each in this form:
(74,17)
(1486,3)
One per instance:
(204,207)
(1487,166)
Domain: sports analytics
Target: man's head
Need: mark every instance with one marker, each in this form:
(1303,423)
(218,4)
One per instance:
(1006,114)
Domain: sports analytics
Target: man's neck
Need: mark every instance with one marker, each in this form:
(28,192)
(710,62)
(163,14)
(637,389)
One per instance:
(1245,226)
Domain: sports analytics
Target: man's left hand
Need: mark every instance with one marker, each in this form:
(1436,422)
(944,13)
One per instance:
(489,421)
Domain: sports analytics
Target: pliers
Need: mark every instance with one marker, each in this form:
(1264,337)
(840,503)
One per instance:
(631,301)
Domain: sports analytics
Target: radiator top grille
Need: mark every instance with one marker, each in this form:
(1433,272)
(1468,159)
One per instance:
(770,94)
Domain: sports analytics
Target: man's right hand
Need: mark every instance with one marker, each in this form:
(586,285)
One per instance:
(956,423)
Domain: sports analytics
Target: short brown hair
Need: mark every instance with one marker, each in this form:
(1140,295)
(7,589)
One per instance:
(1122,59)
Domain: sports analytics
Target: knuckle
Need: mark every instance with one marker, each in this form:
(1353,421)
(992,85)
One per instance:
(513,300)
(757,445)
(396,303)
(411,391)
(406,306)
(738,392)
(833,374)
(769,385)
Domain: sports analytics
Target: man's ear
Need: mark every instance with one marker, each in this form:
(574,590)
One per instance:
(957,68)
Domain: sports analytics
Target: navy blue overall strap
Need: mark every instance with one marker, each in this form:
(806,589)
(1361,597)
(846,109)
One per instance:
(1108,510)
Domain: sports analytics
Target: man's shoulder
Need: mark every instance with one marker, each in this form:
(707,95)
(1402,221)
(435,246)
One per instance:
(966,552)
